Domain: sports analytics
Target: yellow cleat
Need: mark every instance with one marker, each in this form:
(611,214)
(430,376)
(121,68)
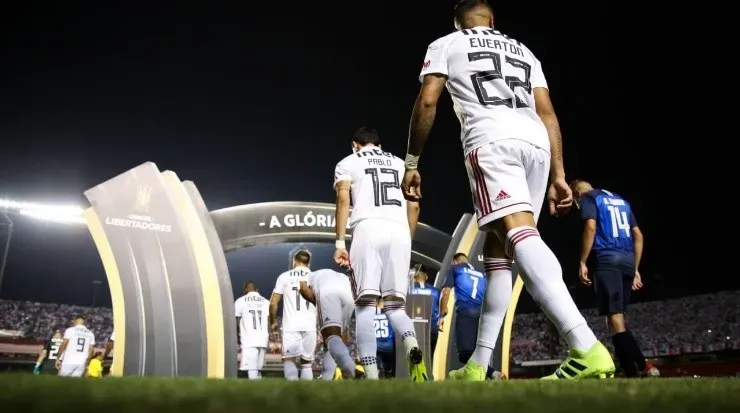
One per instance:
(471,371)
(417,368)
(596,363)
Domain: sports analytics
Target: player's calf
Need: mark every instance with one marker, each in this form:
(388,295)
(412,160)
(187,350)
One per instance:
(365,333)
(338,350)
(290,368)
(395,309)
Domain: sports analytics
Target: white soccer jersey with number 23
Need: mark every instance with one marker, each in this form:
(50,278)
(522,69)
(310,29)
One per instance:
(491,78)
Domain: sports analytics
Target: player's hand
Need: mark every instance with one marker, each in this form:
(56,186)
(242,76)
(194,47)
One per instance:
(58,364)
(37,369)
(583,274)
(411,185)
(559,197)
(341,257)
(637,281)
(440,324)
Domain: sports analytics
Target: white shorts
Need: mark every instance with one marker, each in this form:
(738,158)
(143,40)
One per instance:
(253,358)
(71,370)
(380,257)
(299,344)
(335,308)
(507,176)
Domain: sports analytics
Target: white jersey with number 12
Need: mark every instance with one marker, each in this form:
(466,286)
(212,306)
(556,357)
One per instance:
(298,313)
(375,176)
(491,78)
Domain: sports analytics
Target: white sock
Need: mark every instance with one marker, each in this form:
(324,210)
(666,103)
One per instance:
(340,353)
(365,336)
(395,310)
(543,277)
(290,369)
(253,374)
(306,372)
(493,310)
(329,366)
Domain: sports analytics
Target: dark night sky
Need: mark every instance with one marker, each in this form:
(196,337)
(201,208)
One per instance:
(257,101)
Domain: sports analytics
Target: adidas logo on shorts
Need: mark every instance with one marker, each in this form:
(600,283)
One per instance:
(501,196)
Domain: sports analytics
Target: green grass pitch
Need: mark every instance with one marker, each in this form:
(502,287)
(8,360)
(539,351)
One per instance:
(25,393)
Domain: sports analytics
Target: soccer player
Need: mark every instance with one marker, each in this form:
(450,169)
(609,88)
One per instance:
(331,293)
(382,222)
(45,364)
(95,368)
(299,319)
(386,342)
(470,288)
(77,349)
(511,140)
(252,311)
(422,288)
(614,242)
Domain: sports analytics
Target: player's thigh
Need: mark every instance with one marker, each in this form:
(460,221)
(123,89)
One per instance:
(250,357)
(292,344)
(348,309)
(498,181)
(329,308)
(537,167)
(308,345)
(609,289)
(395,276)
(366,259)
(466,329)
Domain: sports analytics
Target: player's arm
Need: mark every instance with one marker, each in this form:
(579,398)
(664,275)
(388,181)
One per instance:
(342,187)
(413,210)
(637,241)
(274,302)
(91,350)
(307,292)
(444,295)
(589,215)
(422,116)
(543,106)
(108,349)
(238,315)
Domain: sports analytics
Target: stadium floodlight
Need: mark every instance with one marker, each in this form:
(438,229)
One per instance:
(65,214)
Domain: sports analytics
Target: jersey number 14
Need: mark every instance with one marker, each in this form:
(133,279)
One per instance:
(619,221)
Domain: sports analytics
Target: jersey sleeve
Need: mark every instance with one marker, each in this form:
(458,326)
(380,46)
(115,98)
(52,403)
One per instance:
(47,346)
(537,77)
(279,285)
(435,61)
(68,335)
(238,308)
(633,220)
(92,339)
(588,207)
(342,172)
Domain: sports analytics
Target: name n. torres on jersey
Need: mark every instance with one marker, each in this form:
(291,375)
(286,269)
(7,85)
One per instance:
(298,313)
(375,176)
(491,78)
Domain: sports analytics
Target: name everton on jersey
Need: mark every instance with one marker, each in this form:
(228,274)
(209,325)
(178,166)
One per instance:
(375,157)
(488,43)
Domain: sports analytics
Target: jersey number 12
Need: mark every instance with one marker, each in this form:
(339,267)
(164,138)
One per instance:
(496,73)
(380,189)
(619,221)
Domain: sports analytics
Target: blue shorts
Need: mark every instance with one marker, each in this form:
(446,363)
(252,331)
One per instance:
(612,275)
(466,329)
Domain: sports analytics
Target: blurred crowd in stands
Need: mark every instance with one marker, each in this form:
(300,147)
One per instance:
(693,324)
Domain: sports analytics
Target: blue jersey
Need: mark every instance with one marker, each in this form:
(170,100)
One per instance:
(383,330)
(614,221)
(427,289)
(469,285)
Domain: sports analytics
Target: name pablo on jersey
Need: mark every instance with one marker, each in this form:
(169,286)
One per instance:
(376,159)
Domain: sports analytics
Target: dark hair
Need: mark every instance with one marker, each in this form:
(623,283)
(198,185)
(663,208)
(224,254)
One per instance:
(303,256)
(463,7)
(366,136)
(458,255)
(98,354)
(250,284)
(423,270)
(80,317)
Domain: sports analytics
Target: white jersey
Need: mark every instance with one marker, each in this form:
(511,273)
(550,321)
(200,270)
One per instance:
(376,177)
(329,282)
(112,336)
(491,78)
(78,346)
(298,313)
(253,311)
